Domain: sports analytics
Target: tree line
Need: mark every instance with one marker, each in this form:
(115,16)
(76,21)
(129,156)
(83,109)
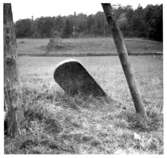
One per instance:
(140,22)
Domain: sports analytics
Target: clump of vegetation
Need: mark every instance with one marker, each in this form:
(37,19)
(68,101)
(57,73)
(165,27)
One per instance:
(56,44)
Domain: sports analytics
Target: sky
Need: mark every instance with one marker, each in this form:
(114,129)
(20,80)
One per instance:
(37,8)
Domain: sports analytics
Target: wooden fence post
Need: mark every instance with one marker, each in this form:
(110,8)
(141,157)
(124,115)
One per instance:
(10,72)
(123,56)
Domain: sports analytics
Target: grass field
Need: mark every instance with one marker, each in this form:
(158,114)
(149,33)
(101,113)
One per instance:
(86,46)
(57,123)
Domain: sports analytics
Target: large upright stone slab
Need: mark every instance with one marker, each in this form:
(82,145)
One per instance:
(75,79)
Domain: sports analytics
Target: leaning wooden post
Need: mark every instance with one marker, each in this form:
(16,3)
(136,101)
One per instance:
(10,72)
(123,56)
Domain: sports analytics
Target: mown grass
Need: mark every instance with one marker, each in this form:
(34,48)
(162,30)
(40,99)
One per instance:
(86,46)
(58,124)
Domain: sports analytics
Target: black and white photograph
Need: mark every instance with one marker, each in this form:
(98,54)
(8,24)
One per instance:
(83,77)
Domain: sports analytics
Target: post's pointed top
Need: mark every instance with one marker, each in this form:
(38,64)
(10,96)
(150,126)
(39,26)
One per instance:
(7,12)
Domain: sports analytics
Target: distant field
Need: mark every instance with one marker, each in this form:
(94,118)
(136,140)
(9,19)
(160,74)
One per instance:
(87,46)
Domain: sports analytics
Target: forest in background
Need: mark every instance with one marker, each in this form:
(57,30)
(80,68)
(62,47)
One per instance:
(140,22)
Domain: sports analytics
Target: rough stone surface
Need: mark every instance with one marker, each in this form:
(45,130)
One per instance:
(75,79)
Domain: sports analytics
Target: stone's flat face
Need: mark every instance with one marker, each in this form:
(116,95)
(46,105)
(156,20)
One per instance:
(75,79)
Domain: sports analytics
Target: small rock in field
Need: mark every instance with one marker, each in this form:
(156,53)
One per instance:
(137,136)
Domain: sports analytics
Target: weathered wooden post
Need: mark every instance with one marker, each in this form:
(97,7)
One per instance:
(123,56)
(10,72)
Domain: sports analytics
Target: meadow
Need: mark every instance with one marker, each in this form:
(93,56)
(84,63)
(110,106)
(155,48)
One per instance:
(86,46)
(55,123)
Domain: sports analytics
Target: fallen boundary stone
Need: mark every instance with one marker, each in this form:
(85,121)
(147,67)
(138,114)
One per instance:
(75,79)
